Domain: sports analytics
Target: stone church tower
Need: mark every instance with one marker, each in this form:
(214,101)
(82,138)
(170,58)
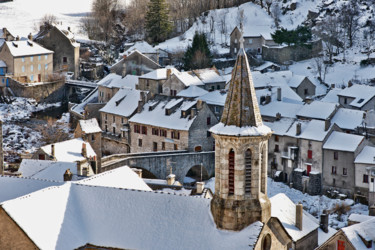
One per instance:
(241,142)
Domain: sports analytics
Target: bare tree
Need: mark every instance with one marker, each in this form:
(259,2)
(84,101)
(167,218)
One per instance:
(329,30)
(320,68)
(276,13)
(47,19)
(269,4)
(350,15)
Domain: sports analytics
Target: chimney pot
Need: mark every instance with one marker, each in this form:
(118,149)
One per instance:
(200,187)
(169,72)
(53,150)
(299,215)
(298,128)
(84,150)
(324,221)
(193,112)
(138,172)
(68,175)
(171,179)
(279,94)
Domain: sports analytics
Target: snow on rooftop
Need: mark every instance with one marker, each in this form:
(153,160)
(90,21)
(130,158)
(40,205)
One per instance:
(296,80)
(287,94)
(317,110)
(208,76)
(277,78)
(310,130)
(47,170)
(285,210)
(360,217)
(216,97)
(90,98)
(123,103)
(156,116)
(331,96)
(158,74)
(343,141)
(188,79)
(192,91)
(70,150)
(122,177)
(141,46)
(116,81)
(348,118)
(364,230)
(26,48)
(73,215)
(284,108)
(361,94)
(90,126)
(221,129)
(280,127)
(265,65)
(367,156)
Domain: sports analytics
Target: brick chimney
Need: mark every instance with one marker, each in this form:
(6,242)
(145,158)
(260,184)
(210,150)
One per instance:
(193,112)
(324,221)
(68,175)
(200,187)
(171,179)
(84,150)
(53,151)
(169,73)
(299,215)
(30,37)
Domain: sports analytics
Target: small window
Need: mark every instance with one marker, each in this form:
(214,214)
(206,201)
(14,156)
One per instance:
(65,59)
(139,142)
(306,91)
(155,146)
(208,120)
(361,100)
(276,148)
(106,116)
(163,146)
(335,155)
(309,154)
(106,128)
(208,134)
(345,171)
(32,78)
(333,170)
(23,68)
(46,57)
(144,130)
(276,138)
(31,58)
(114,118)
(122,120)
(114,130)
(250,41)
(23,59)
(365,178)
(345,100)
(39,67)
(175,147)
(31,68)
(46,66)
(92,137)
(39,58)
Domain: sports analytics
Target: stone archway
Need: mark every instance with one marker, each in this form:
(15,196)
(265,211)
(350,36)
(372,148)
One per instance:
(198,173)
(147,174)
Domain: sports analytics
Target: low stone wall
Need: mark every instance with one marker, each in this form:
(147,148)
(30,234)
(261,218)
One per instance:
(111,146)
(46,92)
(315,184)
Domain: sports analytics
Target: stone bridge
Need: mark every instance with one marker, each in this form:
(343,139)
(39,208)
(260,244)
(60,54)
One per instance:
(160,163)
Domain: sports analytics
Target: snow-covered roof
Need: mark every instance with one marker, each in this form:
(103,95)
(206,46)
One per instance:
(90,126)
(158,74)
(343,141)
(286,109)
(331,96)
(310,130)
(296,80)
(116,81)
(90,98)
(361,94)
(153,113)
(280,127)
(47,170)
(265,65)
(348,118)
(285,210)
(208,76)
(142,47)
(26,48)
(221,129)
(192,91)
(277,78)
(187,78)
(317,110)
(2,63)
(359,217)
(287,94)
(72,215)
(364,230)
(70,150)
(65,32)
(14,187)
(216,97)
(367,156)
(123,103)
(264,28)
(122,177)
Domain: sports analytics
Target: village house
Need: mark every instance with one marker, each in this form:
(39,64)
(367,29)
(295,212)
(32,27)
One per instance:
(179,81)
(65,47)
(318,110)
(134,63)
(154,80)
(268,67)
(112,83)
(192,91)
(349,120)
(167,123)
(27,61)
(143,47)
(365,176)
(210,78)
(115,117)
(302,86)
(5,35)
(361,97)
(339,153)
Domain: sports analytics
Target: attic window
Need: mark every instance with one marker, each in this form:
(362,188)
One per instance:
(361,100)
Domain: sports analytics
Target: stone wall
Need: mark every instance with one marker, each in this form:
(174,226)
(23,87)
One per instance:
(112,146)
(297,179)
(51,92)
(281,54)
(315,184)
(310,241)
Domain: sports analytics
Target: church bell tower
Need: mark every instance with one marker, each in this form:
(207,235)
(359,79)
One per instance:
(241,148)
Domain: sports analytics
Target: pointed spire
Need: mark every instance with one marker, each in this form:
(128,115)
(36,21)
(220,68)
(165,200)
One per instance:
(241,106)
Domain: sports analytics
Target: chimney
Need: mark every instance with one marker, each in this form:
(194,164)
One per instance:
(30,37)
(371,210)
(17,38)
(299,214)
(169,73)
(327,124)
(278,116)
(268,99)
(84,150)
(53,150)
(68,175)
(279,94)
(200,187)
(171,179)
(193,112)
(69,29)
(324,221)
(350,84)
(298,128)
(199,104)
(124,69)
(78,167)
(138,172)
(333,85)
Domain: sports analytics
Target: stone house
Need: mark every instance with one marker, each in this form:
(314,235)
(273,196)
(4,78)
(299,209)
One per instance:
(318,110)
(349,120)
(90,132)
(267,67)
(167,123)
(210,78)
(357,96)
(179,81)
(27,61)
(339,153)
(193,91)
(115,117)
(112,83)
(135,63)
(365,176)
(253,41)
(62,42)
(302,86)
(5,35)
(145,48)
(153,81)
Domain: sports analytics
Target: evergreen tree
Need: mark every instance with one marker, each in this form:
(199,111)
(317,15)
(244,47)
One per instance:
(158,26)
(300,36)
(198,55)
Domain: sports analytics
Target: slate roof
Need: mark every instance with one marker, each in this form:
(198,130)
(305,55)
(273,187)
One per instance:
(26,48)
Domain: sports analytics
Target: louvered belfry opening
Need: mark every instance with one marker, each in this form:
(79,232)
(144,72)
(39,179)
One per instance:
(248,171)
(231,172)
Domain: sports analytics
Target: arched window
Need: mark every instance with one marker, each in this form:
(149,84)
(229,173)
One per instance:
(248,171)
(266,242)
(231,172)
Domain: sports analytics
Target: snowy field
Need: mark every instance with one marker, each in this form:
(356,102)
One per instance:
(312,204)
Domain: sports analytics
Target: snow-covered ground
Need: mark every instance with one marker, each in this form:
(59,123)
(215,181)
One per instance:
(312,204)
